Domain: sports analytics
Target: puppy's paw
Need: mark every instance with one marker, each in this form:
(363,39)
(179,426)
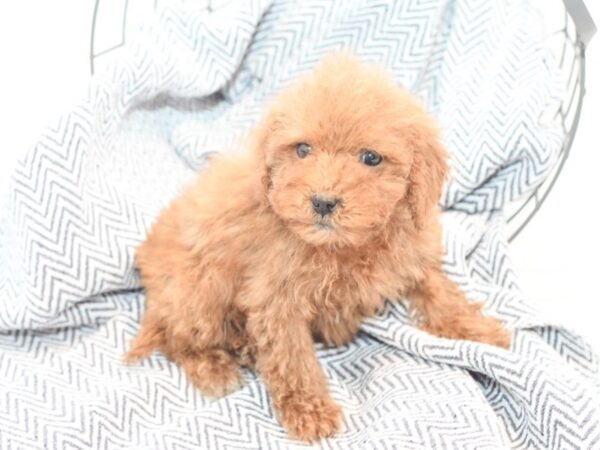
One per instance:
(214,373)
(489,331)
(214,388)
(494,334)
(310,417)
(473,328)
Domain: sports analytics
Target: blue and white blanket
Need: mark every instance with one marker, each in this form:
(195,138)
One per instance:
(193,80)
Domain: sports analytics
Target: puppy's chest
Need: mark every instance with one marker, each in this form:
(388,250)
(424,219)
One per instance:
(358,285)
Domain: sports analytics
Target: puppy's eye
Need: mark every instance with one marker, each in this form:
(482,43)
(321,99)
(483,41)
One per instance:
(302,149)
(370,157)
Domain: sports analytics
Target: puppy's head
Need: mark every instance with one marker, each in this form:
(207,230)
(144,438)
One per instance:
(346,153)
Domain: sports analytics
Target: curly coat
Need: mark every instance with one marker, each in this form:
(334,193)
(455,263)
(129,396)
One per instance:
(241,270)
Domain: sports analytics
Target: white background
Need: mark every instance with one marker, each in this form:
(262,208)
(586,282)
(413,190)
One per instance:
(44,54)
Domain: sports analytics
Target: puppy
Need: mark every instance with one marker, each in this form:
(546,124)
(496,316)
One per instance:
(332,210)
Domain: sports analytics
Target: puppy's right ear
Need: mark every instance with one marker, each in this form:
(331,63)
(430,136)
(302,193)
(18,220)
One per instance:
(260,143)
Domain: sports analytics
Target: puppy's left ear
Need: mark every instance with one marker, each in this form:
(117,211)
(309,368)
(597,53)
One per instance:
(427,173)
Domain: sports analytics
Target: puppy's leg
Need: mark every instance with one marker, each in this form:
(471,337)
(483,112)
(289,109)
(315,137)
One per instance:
(212,370)
(446,312)
(201,334)
(150,336)
(286,359)
(190,318)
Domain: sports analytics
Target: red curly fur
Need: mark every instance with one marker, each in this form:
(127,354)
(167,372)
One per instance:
(239,270)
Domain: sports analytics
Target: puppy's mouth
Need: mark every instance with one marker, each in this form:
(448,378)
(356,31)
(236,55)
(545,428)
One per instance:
(323,226)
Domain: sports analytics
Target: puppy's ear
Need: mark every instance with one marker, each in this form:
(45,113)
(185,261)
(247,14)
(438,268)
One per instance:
(260,141)
(427,174)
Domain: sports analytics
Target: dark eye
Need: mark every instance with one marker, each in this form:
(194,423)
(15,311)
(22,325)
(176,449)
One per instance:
(370,157)
(302,149)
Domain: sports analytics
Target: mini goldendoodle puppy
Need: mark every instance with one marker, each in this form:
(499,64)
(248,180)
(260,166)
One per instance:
(332,210)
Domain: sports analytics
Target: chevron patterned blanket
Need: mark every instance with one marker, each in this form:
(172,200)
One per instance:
(190,82)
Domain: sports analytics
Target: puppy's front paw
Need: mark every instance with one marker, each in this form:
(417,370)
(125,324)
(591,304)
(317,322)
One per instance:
(310,417)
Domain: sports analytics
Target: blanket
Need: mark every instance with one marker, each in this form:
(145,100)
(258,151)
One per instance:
(190,81)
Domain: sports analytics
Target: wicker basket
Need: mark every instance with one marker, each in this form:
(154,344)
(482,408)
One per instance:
(567,40)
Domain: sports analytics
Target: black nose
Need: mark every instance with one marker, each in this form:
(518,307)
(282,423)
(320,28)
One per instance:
(323,206)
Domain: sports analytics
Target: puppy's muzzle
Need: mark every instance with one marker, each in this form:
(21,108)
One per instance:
(323,205)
